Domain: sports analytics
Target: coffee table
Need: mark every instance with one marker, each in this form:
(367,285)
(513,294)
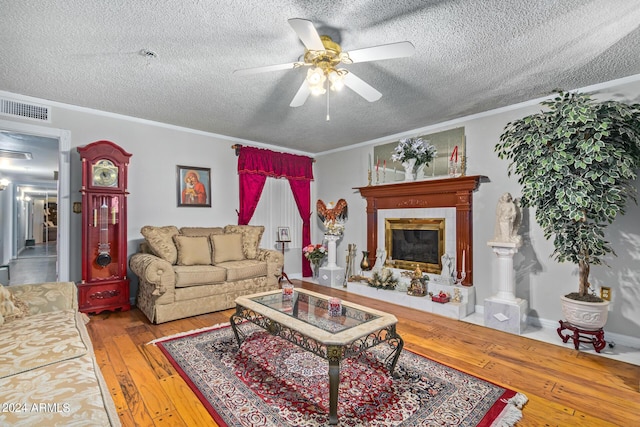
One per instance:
(304,319)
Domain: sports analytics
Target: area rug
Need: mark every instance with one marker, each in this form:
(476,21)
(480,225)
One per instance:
(271,382)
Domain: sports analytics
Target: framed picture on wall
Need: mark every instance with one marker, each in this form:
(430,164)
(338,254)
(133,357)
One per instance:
(283,234)
(194,186)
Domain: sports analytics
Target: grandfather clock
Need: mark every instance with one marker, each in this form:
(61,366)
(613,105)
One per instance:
(104,283)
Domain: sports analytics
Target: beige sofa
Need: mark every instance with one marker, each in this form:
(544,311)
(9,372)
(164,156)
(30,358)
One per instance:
(48,371)
(197,270)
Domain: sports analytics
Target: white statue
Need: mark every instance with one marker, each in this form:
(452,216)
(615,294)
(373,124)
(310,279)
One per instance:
(446,274)
(381,258)
(508,219)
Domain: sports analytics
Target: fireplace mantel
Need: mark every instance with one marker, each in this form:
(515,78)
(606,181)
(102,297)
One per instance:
(440,193)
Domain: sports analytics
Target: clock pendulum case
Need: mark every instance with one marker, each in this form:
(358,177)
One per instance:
(104,283)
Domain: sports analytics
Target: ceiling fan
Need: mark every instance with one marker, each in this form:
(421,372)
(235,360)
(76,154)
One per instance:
(323,57)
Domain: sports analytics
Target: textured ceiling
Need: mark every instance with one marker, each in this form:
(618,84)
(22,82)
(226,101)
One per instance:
(471,56)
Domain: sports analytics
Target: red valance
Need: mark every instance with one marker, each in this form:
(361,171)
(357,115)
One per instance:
(260,161)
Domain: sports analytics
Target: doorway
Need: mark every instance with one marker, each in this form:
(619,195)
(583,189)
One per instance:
(38,231)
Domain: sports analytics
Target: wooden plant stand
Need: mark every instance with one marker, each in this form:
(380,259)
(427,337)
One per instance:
(582,335)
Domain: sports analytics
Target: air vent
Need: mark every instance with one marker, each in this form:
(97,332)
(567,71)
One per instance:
(17,155)
(9,107)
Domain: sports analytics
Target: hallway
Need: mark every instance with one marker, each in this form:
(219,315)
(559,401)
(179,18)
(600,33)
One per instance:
(34,265)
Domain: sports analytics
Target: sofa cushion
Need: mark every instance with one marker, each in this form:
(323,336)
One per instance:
(251,236)
(160,239)
(193,250)
(227,247)
(40,340)
(191,275)
(245,269)
(201,231)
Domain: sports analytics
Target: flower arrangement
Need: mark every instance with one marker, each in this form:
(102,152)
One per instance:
(383,279)
(314,253)
(414,148)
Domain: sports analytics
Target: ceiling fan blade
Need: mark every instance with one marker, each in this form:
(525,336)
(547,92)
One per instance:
(307,33)
(256,70)
(301,95)
(386,51)
(361,87)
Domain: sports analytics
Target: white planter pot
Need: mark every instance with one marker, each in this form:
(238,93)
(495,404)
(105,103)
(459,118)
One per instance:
(585,315)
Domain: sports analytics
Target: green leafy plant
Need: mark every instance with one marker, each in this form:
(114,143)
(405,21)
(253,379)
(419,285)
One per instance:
(576,163)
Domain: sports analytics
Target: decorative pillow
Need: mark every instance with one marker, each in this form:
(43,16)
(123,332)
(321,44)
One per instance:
(251,236)
(192,250)
(10,306)
(201,231)
(6,302)
(227,247)
(160,239)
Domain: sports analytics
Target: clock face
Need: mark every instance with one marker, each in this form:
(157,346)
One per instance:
(105,174)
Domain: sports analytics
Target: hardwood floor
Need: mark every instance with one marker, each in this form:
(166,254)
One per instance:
(565,387)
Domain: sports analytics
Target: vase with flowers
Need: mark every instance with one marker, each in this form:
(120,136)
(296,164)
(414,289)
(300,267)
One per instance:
(414,154)
(315,254)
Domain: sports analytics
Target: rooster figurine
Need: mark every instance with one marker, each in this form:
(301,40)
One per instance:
(333,216)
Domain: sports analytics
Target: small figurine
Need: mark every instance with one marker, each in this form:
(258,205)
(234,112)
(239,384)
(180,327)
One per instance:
(418,286)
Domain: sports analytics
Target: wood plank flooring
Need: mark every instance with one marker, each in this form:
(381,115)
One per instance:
(565,387)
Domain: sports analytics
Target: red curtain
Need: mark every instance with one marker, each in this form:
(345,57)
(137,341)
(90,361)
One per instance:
(302,195)
(255,165)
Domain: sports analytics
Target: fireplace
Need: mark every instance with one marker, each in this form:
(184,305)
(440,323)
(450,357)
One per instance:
(455,193)
(415,242)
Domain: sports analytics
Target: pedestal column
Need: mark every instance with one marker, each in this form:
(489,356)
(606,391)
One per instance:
(504,311)
(331,249)
(331,274)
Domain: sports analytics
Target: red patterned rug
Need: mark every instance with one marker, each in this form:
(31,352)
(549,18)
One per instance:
(271,382)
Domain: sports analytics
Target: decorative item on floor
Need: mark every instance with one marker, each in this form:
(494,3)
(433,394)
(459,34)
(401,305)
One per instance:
(576,163)
(333,218)
(383,279)
(315,254)
(422,389)
(364,264)
(351,263)
(503,311)
(413,153)
(418,285)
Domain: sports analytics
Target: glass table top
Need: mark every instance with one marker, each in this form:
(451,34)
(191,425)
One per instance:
(314,310)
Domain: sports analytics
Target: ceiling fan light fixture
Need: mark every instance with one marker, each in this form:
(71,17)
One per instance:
(336,77)
(315,79)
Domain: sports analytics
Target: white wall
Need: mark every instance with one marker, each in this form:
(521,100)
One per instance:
(539,279)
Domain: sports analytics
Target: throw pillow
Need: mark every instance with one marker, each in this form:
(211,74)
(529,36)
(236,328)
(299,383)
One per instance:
(251,236)
(10,306)
(192,250)
(227,247)
(7,307)
(160,239)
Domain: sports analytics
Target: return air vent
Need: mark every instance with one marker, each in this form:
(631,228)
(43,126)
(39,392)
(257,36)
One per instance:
(9,107)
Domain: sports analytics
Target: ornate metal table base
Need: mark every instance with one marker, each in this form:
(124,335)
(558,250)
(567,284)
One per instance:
(580,335)
(333,353)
